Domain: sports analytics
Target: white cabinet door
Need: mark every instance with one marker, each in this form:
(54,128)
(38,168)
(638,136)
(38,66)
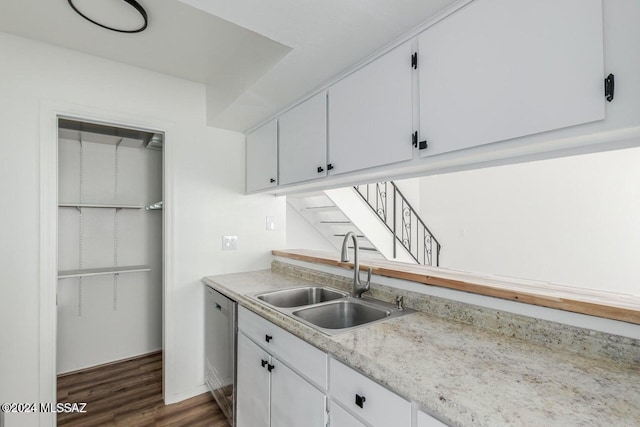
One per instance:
(294,402)
(303,141)
(370,114)
(262,157)
(253,399)
(501,69)
(340,418)
(425,420)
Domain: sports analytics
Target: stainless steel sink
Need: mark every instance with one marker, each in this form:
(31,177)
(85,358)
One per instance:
(329,310)
(341,314)
(298,297)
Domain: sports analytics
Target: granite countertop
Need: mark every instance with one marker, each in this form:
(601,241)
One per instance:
(462,374)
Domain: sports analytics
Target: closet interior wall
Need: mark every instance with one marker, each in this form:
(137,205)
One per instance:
(105,316)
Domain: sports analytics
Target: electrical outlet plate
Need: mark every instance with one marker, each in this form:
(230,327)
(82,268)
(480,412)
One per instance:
(271,224)
(229,243)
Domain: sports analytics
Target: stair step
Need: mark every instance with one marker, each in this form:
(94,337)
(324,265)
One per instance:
(359,236)
(321,208)
(335,222)
(365,248)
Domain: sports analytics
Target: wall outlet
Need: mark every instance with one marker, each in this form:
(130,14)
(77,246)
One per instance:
(229,243)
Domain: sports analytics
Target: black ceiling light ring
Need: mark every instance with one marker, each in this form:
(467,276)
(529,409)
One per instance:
(132,3)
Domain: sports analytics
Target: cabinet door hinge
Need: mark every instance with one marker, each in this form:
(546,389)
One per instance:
(419,145)
(414,60)
(326,412)
(609,87)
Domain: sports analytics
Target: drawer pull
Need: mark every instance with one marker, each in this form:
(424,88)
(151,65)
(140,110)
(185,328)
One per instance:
(218,306)
(263,362)
(360,400)
(268,338)
(270,368)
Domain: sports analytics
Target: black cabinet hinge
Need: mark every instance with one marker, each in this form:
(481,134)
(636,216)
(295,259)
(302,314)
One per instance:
(609,87)
(414,60)
(419,145)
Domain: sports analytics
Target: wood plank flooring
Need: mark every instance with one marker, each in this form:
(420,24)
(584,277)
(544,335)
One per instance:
(129,393)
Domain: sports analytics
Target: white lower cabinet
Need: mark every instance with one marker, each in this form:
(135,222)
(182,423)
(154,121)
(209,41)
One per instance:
(271,394)
(367,399)
(253,383)
(281,379)
(338,417)
(294,402)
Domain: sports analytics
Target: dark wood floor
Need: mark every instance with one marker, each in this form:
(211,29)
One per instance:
(129,393)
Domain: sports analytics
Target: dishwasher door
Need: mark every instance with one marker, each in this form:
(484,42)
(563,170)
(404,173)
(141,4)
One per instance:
(220,349)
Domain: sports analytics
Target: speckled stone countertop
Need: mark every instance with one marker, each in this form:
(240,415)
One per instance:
(468,375)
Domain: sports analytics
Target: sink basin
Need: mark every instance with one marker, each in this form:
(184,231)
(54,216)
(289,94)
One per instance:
(299,297)
(341,314)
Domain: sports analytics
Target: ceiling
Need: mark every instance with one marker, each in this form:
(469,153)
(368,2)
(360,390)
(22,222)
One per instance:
(254,56)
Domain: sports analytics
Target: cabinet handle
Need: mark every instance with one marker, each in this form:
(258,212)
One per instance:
(263,363)
(320,169)
(218,307)
(270,367)
(268,338)
(360,400)
(329,166)
(272,180)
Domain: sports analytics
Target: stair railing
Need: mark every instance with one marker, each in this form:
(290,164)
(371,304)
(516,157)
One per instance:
(397,214)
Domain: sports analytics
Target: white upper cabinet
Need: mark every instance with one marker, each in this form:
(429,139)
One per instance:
(501,69)
(303,141)
(370,114)
(262,157)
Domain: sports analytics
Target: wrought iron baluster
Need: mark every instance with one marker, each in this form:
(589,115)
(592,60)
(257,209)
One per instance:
(420,249)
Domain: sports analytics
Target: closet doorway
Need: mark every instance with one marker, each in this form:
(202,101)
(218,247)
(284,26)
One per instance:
(110,244)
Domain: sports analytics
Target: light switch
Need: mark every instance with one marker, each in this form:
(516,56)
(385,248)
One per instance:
(271,224)
(229,243)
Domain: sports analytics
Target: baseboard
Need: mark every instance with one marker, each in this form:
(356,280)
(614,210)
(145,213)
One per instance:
(113,362)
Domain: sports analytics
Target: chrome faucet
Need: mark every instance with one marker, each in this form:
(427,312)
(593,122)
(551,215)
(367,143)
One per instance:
(358,287)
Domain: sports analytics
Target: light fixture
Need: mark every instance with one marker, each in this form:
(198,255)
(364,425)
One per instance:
(113,27)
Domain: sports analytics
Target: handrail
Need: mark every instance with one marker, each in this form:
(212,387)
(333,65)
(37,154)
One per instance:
(410,230)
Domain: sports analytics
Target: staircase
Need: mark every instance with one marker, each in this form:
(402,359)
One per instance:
(384,222)
(328,219)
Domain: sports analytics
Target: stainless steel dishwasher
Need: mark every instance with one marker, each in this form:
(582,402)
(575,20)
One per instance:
(220,350)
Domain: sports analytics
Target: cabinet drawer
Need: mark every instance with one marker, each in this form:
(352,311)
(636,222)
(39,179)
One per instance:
(296,353)
(366,398)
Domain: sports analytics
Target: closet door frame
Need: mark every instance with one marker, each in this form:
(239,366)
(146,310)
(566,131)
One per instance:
(50,111)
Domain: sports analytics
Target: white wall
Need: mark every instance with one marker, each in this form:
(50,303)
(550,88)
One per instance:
(301,235)
(571,220)
(205,176)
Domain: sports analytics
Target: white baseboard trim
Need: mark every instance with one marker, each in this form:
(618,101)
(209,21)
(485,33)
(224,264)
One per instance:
(179,397)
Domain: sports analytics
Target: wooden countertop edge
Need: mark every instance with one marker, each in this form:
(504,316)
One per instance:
(576,305)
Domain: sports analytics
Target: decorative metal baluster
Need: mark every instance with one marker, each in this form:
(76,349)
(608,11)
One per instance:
(420,246)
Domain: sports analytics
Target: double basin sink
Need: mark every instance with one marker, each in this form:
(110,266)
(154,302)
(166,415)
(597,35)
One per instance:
(329,310)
